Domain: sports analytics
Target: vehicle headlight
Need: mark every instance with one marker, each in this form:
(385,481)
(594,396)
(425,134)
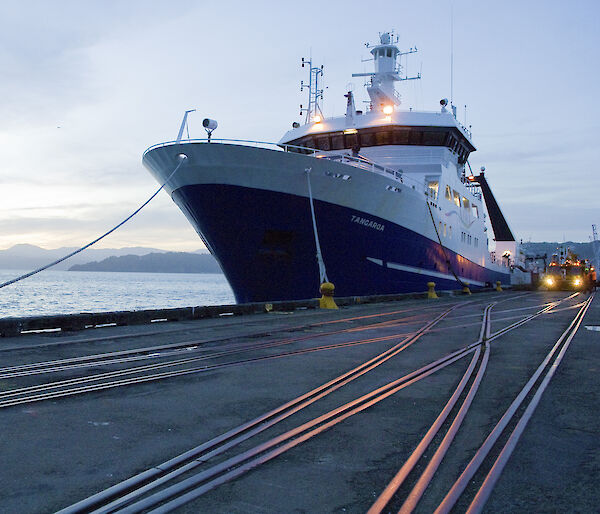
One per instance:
(549,282)
(577,281)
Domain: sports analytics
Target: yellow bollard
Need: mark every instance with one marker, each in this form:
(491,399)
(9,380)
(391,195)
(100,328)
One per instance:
(431,293)
(327,301)
(499,286)
(466,289)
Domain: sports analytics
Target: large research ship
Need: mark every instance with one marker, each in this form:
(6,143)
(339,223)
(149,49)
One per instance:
(376,202)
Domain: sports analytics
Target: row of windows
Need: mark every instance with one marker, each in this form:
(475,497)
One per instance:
(467,238)
(387,136)
(445,230)
(459,201)
(382,52)
(453,196)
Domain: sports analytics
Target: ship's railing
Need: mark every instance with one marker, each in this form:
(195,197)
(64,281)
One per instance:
(366,164)
(358,162)
(247,142)
(362,163)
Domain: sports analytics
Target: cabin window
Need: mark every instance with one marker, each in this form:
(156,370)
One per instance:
(474,211)
(476,242)
(449,230)
(466,204)
(367,139)
(389,52)
(351,140)
(382,138)
(445,232)
(323,143)
(432,189)
(415,137)
(433,139)
(401,137)
(448,193)
(440,230)
(337,142)
(456,198)
(382,52)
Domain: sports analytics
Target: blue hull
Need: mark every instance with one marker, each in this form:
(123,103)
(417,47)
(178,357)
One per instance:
(265,245)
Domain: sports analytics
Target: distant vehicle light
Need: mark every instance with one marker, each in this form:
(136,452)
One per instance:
(388,109)
(350,131)
(317,118)
(549,281)
(577,281)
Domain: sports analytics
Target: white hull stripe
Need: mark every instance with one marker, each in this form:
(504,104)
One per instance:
(421,271)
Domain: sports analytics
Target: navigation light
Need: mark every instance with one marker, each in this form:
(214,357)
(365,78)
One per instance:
(388,109)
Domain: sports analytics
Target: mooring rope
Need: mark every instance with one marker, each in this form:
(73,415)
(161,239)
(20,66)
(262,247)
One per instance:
(322,271)
(31,273)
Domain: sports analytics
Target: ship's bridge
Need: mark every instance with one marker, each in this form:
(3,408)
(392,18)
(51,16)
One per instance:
(405,128)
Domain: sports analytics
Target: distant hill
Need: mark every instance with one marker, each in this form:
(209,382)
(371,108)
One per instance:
(169,262)
(29,257)
(583,250)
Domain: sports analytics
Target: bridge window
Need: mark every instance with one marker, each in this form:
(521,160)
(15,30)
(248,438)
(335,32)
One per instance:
(337,142)
(474,211)
(367,139)
(388,135)
(456,198)
(466,204)
(389,52)
(323,143)
(383,138)
(448,193)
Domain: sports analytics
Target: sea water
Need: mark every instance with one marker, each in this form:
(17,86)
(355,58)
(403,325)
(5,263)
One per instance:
(67,292)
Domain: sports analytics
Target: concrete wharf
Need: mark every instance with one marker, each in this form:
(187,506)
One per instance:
(378,407)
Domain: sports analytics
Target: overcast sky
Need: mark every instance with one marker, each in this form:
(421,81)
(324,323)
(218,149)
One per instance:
(87,86)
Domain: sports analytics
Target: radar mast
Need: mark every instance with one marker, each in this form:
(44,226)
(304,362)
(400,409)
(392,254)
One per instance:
(315,95)
(387,71)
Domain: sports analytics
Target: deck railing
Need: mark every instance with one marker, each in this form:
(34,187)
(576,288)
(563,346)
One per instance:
(357,162)
(247,142)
